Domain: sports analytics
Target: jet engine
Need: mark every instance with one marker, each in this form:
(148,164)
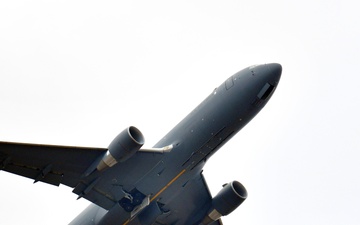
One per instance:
(125,145)
(226,201)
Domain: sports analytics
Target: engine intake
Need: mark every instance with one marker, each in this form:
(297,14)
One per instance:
(125,145)
(226,201)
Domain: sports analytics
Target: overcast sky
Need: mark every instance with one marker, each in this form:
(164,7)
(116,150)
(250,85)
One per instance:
(79,72)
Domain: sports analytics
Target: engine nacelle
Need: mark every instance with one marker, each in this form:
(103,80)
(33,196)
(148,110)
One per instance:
(226,201)
(125,145)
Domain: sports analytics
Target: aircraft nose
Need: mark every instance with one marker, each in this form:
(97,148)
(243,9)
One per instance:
(275,70)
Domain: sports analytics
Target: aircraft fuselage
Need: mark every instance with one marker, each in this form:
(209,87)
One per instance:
(195,139)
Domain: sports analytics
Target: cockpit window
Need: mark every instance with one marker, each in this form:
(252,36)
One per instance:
(265,91)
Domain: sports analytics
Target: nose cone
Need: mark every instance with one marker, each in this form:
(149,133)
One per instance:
(275,70)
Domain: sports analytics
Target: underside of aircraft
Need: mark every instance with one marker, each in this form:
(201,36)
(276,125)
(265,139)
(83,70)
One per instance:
(129,184)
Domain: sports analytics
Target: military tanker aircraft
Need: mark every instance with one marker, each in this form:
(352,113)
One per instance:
(128,184)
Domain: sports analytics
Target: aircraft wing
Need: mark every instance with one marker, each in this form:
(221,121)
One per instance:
(190,206)
(67,165)
(48,163)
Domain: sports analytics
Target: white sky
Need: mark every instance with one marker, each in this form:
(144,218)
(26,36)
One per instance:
(79,72)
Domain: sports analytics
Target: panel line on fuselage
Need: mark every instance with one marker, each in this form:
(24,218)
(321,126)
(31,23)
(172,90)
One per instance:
(167,185)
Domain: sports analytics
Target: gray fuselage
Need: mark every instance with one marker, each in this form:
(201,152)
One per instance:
(195,139)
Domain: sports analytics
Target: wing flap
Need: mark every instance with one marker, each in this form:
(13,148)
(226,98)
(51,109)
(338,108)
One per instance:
(35,174)
(95,195)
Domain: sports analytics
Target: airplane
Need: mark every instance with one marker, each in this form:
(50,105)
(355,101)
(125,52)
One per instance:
(131,185)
